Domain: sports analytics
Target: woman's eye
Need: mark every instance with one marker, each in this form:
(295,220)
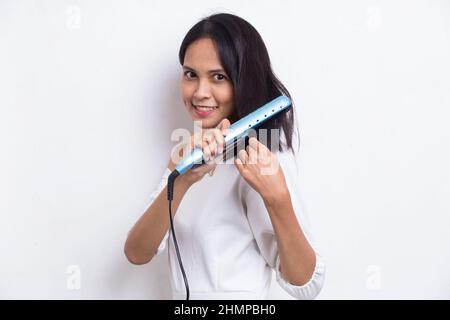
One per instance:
(189,74)
(219,76)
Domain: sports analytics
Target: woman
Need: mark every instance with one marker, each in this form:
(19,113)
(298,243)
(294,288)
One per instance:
(235,227)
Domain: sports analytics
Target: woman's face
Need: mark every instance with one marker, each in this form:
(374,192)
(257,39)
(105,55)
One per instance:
(206,89)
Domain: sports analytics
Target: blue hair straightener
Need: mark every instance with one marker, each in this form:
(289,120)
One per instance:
(237,131)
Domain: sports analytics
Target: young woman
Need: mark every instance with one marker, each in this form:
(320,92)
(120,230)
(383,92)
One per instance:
(234,227)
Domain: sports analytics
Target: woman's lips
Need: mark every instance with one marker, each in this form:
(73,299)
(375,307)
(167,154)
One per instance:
(203,111)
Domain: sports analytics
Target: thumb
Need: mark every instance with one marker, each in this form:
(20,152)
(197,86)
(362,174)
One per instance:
(224,125)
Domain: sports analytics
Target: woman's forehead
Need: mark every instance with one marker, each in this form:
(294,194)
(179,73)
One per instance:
(202,54)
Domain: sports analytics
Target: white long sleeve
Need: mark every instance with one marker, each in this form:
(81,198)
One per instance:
(226,240)
(265,236)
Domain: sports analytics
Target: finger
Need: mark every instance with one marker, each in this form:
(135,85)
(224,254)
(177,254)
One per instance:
(239,165)
(243,156)
(262,149)
(253,143)
(207,136)
(211,140)
(213,147)
(219,140)
(206,152)
(252,154)
(224,126)
(262,152)
(265,156)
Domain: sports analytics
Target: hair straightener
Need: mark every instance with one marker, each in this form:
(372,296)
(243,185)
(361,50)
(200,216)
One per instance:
(237,131)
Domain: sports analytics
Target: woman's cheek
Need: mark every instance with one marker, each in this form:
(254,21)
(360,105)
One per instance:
(187,90)
(226,101)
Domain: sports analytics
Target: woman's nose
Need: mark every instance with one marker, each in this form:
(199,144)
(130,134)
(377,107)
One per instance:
(203,90)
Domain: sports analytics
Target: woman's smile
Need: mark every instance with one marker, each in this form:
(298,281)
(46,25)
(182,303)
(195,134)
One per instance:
(203,111)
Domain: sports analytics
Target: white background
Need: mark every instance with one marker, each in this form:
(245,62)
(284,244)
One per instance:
(89,96)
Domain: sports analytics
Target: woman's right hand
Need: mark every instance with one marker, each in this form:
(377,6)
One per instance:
(211,141)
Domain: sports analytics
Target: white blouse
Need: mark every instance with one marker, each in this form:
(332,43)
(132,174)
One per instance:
(226,239)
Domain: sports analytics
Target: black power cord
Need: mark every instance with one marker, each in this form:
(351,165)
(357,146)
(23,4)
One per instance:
(170,184)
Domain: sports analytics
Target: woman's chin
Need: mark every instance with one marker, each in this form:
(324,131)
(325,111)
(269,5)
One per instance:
(205,122)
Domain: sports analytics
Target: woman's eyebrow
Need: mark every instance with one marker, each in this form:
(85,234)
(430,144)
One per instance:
(210,71)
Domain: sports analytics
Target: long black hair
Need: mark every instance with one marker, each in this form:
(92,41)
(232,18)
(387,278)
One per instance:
(245,59)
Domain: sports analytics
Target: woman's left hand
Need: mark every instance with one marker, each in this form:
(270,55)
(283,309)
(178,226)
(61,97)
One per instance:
(261,169)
